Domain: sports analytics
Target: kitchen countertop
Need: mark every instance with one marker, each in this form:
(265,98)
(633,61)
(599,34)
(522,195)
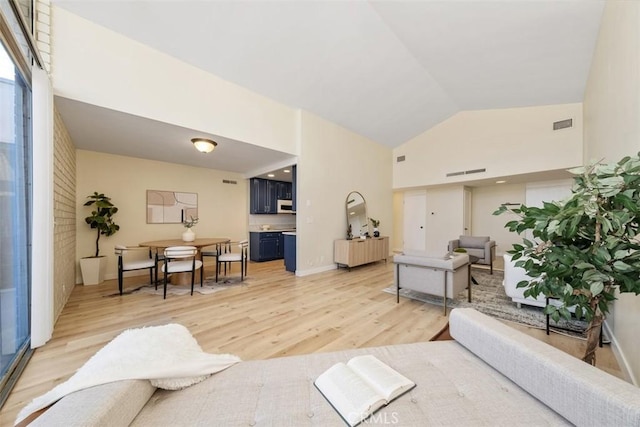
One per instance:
(289,233)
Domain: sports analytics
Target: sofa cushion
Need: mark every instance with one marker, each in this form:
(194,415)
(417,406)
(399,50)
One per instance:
(476,252)
(473,242)
(441,262)
(454,388)
(581,393)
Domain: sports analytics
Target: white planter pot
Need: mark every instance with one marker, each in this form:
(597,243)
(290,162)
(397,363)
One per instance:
(93,270)
(188,236)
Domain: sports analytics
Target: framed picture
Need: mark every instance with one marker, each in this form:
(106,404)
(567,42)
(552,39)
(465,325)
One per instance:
(171,207)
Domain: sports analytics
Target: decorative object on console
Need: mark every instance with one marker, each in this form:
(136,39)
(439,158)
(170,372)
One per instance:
(349,233)
(586,246)
(101,219)
(189,235)
(357,218)
(375,224)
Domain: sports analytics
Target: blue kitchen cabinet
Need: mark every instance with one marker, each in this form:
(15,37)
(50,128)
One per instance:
(263,199)
(265,194)
(290,252)
(294,187)
(266,246)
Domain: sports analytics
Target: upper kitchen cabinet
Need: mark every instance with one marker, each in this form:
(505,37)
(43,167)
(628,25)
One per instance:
(283,190)
(294,187)
(265,194)
(263,198)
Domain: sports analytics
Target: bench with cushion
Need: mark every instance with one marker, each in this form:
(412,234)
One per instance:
(489,374)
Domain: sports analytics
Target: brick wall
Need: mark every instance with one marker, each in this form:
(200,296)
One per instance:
(64,211)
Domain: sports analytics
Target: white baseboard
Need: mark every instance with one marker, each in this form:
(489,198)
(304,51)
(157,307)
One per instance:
(321,269)
(620,358)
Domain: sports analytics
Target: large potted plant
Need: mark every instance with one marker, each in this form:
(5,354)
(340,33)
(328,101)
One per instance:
(585,247)
(100,220)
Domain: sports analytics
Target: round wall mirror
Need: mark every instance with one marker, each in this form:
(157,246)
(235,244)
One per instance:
(357,216)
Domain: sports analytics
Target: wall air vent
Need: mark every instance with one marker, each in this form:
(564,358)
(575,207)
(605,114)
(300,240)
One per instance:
(475,171)
(400,159)
(469,172)
(229,181)
(562,124)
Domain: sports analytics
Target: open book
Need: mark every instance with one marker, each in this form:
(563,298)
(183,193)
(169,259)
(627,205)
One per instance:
(361,386)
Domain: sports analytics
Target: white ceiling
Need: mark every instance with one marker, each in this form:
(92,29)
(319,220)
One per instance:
(388,70)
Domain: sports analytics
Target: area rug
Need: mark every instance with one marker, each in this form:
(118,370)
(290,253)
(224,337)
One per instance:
(488,297)
(208,287)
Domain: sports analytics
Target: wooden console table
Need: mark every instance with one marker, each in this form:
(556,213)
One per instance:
(351,253)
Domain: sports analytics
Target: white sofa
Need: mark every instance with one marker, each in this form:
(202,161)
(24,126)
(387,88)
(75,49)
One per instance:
(490,374)
(443,276)
(512,276)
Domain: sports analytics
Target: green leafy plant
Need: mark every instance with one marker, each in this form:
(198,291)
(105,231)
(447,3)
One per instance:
(460,250)
(374,222)
(188,223)
(585,247)
(101,218)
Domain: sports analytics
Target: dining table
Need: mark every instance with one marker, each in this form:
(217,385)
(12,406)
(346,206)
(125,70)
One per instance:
(199,243)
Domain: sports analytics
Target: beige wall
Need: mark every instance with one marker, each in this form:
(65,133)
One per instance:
(333,162)
(485,201)
(222,208)
(94,65)
(483,139)
(64,211)
(397,239)
(612,130)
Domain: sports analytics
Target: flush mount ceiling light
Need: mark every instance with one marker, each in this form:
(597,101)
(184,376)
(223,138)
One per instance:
(204,145)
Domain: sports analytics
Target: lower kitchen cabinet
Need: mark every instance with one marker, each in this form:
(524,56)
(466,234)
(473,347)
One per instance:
(266,246)
(290,252)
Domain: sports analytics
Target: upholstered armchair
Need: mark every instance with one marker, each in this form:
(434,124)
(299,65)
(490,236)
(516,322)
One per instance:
(479,246)
(444,276)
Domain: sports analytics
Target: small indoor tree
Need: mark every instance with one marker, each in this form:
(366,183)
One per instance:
(101,218)
(584,247)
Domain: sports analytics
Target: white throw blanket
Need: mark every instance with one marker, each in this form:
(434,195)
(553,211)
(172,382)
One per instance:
(168,354)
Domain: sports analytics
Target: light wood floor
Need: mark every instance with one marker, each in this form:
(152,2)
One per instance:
(272,314)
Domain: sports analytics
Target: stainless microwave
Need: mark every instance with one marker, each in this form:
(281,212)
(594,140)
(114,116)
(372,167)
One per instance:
(285,206)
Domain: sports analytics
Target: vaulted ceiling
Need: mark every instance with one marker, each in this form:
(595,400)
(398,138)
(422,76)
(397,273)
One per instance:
(388,70)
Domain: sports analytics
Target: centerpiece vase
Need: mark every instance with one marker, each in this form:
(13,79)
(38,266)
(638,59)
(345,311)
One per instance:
(188,236)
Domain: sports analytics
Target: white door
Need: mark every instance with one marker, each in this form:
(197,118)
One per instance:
(467,212)
(415,214)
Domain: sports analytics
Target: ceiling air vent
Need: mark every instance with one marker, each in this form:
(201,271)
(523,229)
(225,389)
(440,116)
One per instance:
(562,124)
(455,173)
(228,181)
(400,159)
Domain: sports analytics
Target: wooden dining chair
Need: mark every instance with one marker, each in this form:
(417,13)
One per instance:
(231,257)
(181,259)
(130,264)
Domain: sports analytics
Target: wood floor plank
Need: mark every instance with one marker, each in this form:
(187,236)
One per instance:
(273,313)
